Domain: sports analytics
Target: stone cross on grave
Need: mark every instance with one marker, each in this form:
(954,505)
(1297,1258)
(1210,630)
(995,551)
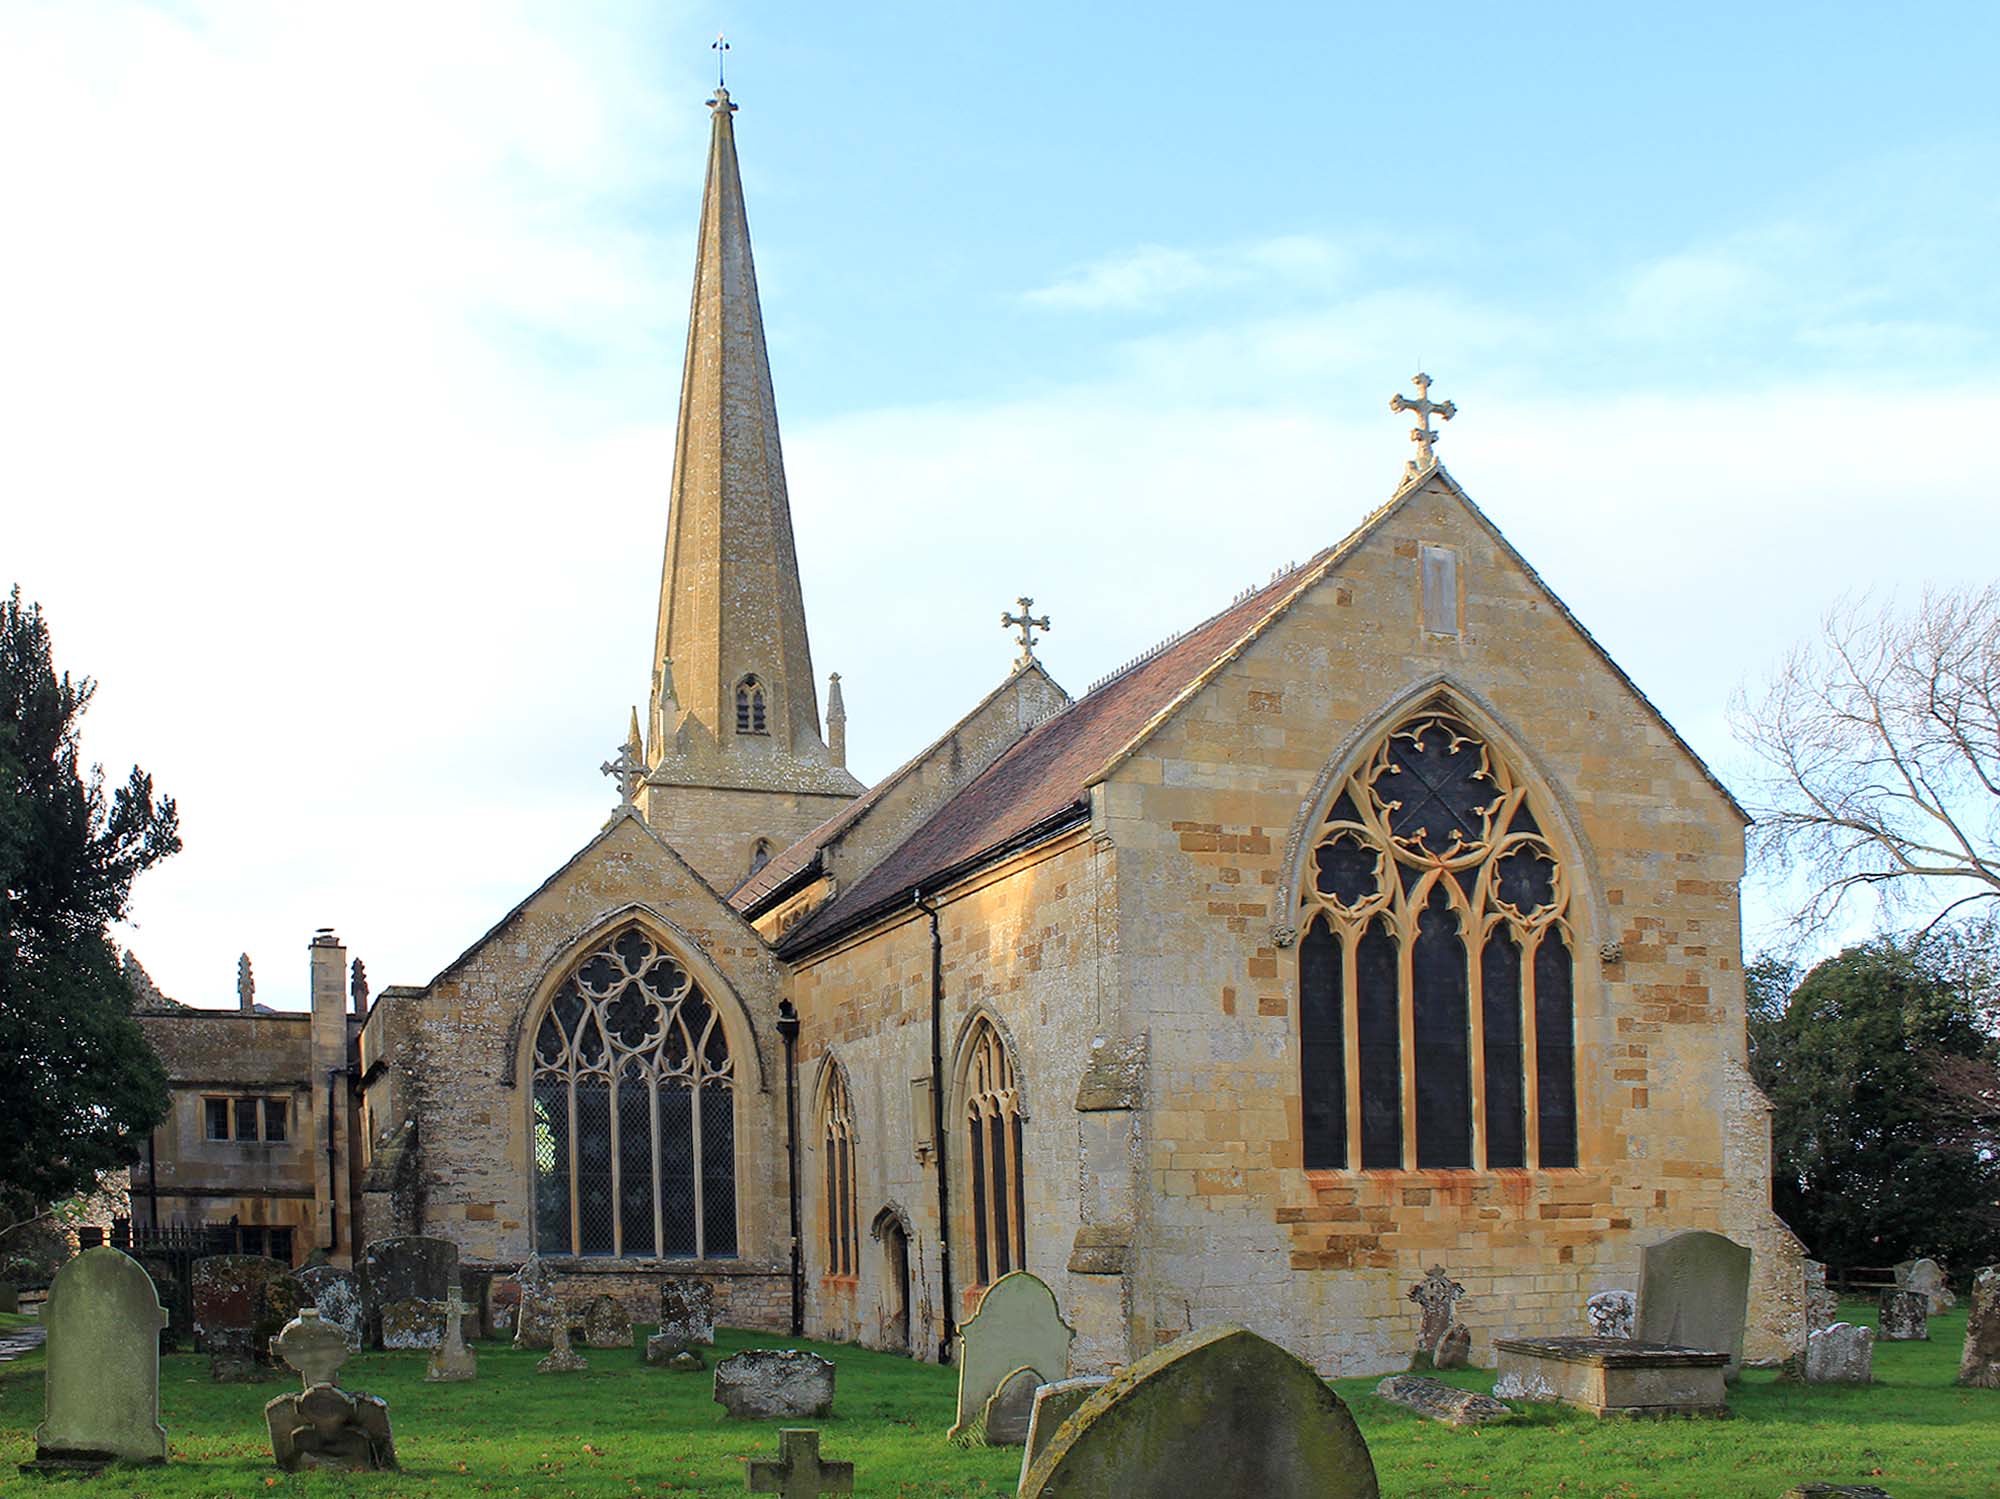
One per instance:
(798,1473)
(1423,434)
(1026,622)
(316,1349)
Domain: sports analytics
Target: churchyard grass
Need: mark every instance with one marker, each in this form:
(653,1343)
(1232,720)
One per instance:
(621,1429)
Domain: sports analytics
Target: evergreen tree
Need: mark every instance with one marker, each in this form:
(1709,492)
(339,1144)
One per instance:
(79,1085)
(1871,1163)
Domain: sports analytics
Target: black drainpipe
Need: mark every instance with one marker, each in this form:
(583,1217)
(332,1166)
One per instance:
(788,1030)
(333,1077)
(938,1147)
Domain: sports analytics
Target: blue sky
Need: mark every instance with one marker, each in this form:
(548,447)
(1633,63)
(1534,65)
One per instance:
(342,350)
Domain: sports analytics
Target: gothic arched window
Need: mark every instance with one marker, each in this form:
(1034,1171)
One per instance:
(750,707)
(1436,922)
(843,1239)
(634,1111)
(992,1122)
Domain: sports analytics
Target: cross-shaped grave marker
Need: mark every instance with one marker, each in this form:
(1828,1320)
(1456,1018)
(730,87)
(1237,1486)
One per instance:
(1027,623)
(1423,434)
(798,1473)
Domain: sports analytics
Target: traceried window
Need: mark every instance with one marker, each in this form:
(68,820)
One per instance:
(634,1111)
(992,1125)
(843,1248)
(1435,967)
(750,707)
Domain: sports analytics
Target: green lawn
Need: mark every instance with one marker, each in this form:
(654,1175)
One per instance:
(621,1429)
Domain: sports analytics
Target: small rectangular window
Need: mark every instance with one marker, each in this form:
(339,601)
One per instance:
(217,1110)
(281,1245)
(246,1119)
(276,1112)
(1440,590)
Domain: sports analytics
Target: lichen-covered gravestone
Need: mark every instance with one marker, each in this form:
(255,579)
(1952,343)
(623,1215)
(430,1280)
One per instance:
(1437,1295)
(799,1472)
(337,1294)
(1218,1411)
(1979,1366)
(540,1308)
(1927,1277)
(242,1301)
(1017,1326)
(1438,1401)
(453,1361)
(1694,1292)
(1904,1317)
(687,1319)
(1840,1354)
(103,1375)
(324,1426)
(1055,1404)
(775,1384)
(606,1324)
(1610,1314)
(409,1268)
(562,1359)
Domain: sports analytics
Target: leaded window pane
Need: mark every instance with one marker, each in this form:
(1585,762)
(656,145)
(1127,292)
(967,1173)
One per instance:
(1323,1051)
(1378,1022)
(593,1166)
(1555,1053)
(1500,1010)
(1443,1037)
(635,1163)
(677,1168)
(551,1124)
(718,1170)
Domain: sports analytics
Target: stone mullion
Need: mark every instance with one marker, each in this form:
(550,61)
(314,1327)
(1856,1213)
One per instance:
(694,1127)
(1405,927)
(1350,1020)
(1531,1082)
(575,1195)
(1475,1012)
(659,1162)
(617,1166)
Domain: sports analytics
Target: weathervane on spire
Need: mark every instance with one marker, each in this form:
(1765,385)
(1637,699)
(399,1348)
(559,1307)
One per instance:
(1423,435)
(720,47)
(1026,622)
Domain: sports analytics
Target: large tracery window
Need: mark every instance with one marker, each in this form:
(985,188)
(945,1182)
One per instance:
(992,1123)
(1436,1013)
(634,1112)
(843,1247)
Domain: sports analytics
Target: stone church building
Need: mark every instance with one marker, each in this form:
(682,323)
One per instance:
(1378,921)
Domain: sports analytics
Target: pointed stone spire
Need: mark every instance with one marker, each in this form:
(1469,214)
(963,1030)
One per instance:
(836,720)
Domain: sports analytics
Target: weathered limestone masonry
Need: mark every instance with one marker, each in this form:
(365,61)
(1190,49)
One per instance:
(1208,817)
(462,1060)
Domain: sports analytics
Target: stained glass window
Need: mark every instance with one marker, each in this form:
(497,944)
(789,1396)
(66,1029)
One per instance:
(843,1249)
(993,1140)
(633,1111)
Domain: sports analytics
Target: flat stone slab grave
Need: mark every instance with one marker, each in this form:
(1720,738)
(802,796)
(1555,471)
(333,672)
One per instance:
(1616,1376)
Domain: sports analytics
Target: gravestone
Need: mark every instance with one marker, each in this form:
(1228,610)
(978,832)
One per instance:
(10,1298)
(167,1284)
(687,1361)
(1438,1401)
(687,1313)
(453,1361)
(1927,1277)
(241,1302)
(1979,1365)
(313,1346)
(606,1325)
(775,1383)
(1836,1491)
(1055,1404)
(503,1305)
(323,1426)
(1694,1292)
(1217,1411)
(1613,1376)
(540,1309)
(1610,1314)
(1822,1305)
(798,1472)
(1454,1350)
(1004,1418)
(1840,1354)
(1904,1317)
(337,1294)
(102,1381)
(1017,1326)
(562,1359)
(410,1267)
(1437,1295)
(414,1322)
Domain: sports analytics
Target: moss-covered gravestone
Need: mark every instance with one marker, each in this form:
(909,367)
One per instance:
(411,1268)
(1694,1292)
(1017,1326)
(1219,1411)
(241,1302)
(103,1378)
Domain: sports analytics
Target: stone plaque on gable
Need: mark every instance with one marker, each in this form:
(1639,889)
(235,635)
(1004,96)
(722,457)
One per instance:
(103,1377)
(412,1267)
(1017,1326)
(241,1302)
(1694,1292)
(1220,1411)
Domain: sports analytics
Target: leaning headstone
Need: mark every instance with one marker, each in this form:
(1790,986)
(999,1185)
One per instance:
(337,1294)
(1217,1411)
(1610,1314)
(798,1472)
(1439,1401)
(606,1325)
(1437,1295)
(453,1361)
(1004,1420)
(1822,1305)
(562,1359)
(1979,1365)
(1840,1354)
(102,1381)
(1694,1292)
(1904,1316)
(241,1302)
(1055,1404)
(775,1383)
(1927,1277)
(323,1426)
(540,1309)
(411,1267)
(1017,1326)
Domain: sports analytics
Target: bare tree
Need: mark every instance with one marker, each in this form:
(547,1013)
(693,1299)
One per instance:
(1882,740)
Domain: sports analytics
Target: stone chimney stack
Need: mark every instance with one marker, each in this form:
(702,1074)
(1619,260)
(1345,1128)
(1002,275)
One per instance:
(328,1106)
(329,973)
(836,721)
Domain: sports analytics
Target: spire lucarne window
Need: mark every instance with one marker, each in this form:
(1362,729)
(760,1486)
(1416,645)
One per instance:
(1436,1003)
(750,707)
(634,1111)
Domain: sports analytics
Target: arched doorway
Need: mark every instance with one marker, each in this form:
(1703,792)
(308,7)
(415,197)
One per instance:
(896,1282)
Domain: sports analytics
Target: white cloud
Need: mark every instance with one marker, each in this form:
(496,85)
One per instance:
(1150,276)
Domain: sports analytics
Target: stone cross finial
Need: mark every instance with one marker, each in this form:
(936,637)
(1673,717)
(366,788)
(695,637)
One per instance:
(1423,434)
(1026,622)
(798,1473)
(246,983)
(630,770)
